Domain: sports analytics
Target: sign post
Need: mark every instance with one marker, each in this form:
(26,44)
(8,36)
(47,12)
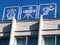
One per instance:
(40,30)
(12,38)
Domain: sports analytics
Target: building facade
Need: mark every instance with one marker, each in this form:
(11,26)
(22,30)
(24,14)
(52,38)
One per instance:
(30,32)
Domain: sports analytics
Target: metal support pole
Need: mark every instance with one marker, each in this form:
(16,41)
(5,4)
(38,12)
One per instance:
(55,40)
(26,40)
(12,38)
(40,30)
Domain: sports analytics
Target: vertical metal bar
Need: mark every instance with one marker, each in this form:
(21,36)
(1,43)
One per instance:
(12,32)
(26,40)
(55,40)
(15,42)
(40,30)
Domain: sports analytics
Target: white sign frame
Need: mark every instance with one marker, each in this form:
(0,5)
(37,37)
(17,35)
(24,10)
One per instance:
(55,14)
(31,5)
(10,7)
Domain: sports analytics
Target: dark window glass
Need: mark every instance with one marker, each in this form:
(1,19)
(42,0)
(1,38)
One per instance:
(4,41)
(32,41)
(58,41)
(21,41)
(49,41)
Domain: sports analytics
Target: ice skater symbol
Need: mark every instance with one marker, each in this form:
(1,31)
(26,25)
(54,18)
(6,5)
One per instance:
(28,13)
(47,9)
(11,13)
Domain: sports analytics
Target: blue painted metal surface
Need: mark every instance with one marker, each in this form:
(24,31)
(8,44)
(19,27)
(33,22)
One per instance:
(19,15)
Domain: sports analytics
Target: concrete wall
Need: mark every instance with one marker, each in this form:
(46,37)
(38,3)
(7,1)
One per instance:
(51,27)
(51,32)
(27,25)
(26,28)
(5,28)
(51,24)
(31,27)
(27,33)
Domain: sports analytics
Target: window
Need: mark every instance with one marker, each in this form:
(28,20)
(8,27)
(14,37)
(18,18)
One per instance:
(27,41)
(4,41)
(49,41)
(32,41)
(21,41)
(58,40)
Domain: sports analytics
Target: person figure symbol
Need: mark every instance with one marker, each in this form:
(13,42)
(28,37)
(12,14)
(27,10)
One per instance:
(28,13)
(10,13)
(47,9)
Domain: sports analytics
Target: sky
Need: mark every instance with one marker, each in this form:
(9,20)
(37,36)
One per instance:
(6,3)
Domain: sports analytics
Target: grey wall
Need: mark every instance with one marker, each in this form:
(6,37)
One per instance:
(51,24)
(27,25)
(51,27)
(5,29)
(24,28)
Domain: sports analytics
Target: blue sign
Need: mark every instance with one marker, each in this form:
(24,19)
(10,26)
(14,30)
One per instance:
(29,12)
(10,12)
(20,15)
(48,10)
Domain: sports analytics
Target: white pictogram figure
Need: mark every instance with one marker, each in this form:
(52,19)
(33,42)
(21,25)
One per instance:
(28,13)
(10,13)
(47,9)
